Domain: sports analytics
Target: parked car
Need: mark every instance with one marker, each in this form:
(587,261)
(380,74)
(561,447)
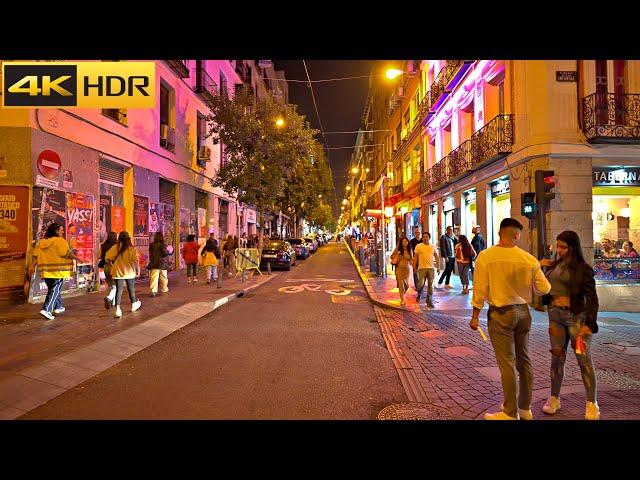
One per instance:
(280,253)
(300,246)
(313,245)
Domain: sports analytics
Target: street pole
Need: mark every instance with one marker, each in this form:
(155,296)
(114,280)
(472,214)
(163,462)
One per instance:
(383,221)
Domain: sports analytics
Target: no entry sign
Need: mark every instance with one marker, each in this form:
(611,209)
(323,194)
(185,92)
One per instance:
(49,164)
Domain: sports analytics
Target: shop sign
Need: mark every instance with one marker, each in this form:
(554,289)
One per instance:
(251,216)
(500,187)
(616,176)
(566,76)
(470,197)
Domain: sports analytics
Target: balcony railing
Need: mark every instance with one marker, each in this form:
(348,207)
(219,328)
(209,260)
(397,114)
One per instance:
(611,117)
(205,86)
(180,67)
(491,142)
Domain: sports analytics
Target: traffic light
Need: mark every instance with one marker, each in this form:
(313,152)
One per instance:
(545,184)
(528,204)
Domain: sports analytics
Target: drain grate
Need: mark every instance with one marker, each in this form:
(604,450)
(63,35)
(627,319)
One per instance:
(413,411)
(615,321)
(620,380)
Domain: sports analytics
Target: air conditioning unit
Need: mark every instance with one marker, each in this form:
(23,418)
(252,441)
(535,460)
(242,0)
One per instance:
(204,154)
(167,135)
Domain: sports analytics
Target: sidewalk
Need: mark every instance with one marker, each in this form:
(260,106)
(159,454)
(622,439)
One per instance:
(40,359)
(443,363)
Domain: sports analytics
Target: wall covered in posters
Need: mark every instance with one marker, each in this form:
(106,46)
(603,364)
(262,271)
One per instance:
(141,231)
(14,228)
(169,231)
(117,218)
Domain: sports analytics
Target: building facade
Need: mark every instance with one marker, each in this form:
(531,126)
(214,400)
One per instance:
(463,139)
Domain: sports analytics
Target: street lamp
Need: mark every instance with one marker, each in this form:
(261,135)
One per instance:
(354,170)
(279,122)
(393,73)
(344,202)
(348,187)
(366,170)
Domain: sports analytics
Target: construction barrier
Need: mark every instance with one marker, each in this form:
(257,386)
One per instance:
(247,259)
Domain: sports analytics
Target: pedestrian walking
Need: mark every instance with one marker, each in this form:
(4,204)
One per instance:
(190,255)
(244,241)
(402,258)
(125,268)
(157,266)
(54,259)
(111,240)
(447,251)
(478,244)
(415,241)
(572,306)
(210,255)
(464,256)
(505,277)
(425,262)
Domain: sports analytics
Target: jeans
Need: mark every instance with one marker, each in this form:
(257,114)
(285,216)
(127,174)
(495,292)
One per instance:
(463,270)
(564,326)
(131,288)
(212,272)
(450,264)
(428,275)
(155,276)
(192,268)
(509,332)
(53,299)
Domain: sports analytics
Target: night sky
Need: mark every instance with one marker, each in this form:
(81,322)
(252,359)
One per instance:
(340,105)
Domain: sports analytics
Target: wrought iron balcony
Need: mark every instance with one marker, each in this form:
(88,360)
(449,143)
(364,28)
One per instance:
(439,174)
(205,85)
(460,160)
(611,117)
(180,67)
(493,141)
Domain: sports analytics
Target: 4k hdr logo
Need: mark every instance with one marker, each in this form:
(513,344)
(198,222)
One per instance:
(78,84)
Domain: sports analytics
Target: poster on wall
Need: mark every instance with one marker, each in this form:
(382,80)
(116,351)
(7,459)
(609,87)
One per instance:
(185,220)
(117,219)
(104,225)
(155,217)
(168,229)
(80,213)
(193,224)
(44,213)
(202,223)
(14,227)
(140,216)
(141,244)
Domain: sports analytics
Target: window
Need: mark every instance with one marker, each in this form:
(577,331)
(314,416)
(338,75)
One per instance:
(398,136)
(407,169)
(223,84)
(117,114)
(406,127)
(167,117)
(201,135)
(415,106)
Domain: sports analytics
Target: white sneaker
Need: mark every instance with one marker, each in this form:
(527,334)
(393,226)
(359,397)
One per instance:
(552,405)
(47,315)
(118,312)
(136,305)
(498,416)
(448,286)
(59,310)
(524,414)
(592,411)
(188,279)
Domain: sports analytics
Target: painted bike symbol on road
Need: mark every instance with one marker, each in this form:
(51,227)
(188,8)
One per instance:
(312,287)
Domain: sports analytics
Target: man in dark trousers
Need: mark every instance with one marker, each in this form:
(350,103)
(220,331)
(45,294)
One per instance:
(448,252)
(416,240)
(477,243)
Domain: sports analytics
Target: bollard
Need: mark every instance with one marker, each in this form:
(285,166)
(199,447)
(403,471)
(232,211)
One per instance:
(219,282)
(268,268)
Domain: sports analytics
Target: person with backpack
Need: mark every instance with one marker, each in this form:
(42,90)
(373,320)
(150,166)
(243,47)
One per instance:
(465,253)
(125,268)
(158,265)
(190,256)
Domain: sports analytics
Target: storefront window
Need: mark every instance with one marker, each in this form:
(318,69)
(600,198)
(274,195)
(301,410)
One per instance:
(470,212)
(616,224)
(500,205)
(433,221)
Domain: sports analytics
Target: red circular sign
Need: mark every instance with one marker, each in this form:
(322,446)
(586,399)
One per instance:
(49,164)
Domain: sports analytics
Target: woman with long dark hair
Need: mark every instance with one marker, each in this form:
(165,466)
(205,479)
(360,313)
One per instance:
(402,258)
(54,259)
(572,309)
(125,268)
(465,253)
(157,266)
(111,240)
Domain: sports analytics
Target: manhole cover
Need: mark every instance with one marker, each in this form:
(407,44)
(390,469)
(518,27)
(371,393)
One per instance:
(413,411)
(617,379)
(615,321)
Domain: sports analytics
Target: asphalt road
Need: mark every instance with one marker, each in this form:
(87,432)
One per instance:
(288,350)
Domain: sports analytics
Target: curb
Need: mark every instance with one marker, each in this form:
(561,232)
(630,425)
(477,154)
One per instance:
(27,389)
(371,293)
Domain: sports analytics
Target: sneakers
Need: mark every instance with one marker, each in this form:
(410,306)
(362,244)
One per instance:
(498,416)
(107,303)
(430,303)
(195,280)
(59,310)
(465,290)
(118,312)
(188,279)
(552,405)
(47,315)
(592,411)
(524,414)
(448,286)
(136,305)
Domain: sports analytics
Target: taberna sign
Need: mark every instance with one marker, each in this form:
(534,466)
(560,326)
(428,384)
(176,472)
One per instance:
(500,187)
(616,176)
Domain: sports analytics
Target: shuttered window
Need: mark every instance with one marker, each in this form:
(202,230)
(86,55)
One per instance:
(167,192)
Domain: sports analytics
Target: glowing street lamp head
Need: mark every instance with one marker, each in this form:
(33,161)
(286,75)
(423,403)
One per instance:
(342,207)
(354,170)
(279,122)
(344,202)
(393,73)
(366,170)
(348,187)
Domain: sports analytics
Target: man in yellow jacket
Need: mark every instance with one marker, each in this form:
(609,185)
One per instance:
(54,258)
